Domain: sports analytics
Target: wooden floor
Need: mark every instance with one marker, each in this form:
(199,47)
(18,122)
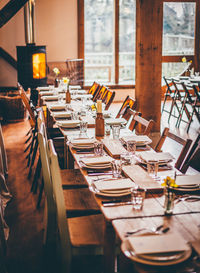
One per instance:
(25,253)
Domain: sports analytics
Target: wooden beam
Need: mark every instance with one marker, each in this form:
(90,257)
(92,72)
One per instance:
(10,9)
(197,38)
(8,58)
(80,29)
(149,27)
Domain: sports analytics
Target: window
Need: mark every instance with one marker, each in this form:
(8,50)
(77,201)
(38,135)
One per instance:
(178,35)
(109,41)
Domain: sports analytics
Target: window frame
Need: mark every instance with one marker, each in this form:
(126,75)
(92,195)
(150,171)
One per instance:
(165,59)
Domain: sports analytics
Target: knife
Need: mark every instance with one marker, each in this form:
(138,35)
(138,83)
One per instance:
(113,204)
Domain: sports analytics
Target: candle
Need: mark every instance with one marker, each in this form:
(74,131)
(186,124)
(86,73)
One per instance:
(99,106)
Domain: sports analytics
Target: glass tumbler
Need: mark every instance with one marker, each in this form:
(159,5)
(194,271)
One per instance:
(116,168)
(98,148)
(116,131)
(137,198)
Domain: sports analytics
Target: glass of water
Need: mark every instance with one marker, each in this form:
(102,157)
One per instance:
(98,148)
(137,198)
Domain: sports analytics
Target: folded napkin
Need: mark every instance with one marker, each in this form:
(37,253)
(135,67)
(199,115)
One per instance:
(78,91)
(49,98)
(165,243)
(184,180)
(74,87)
(68,123)
(101,160)
(46,93)
(114,185)
(83,141)
(57,106)
(80,96)
(62,114)
(153,156)
(139,139)
(43,88)
(115,121)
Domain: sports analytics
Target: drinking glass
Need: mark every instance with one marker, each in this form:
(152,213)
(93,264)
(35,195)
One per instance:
(137,198)
(131,146)
(83,127)
(152,168)
(116,131)
(60,98)
(107,129)
(116,168)
(126,158)
(196,74)
(98,148)
(74,115)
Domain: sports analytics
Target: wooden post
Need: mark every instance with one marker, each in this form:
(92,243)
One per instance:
(149,25)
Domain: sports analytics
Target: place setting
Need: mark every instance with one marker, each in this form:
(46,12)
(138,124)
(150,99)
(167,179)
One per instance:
(188,183)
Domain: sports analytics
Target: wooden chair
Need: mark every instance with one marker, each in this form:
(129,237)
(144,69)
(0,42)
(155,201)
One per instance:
(182,151)
(139,124)
(128,102)
(79,236)
(3,240)
(75,71)
(94,89)
(74,198)
(100,93)
(169,93)
(193,157)
(3,153)
(107,98)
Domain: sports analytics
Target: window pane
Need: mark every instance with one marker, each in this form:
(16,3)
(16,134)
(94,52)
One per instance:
(173,69)
(178,28)
(127,41)
(98,28)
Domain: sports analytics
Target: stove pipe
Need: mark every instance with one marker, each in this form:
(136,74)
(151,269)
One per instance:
(29,22)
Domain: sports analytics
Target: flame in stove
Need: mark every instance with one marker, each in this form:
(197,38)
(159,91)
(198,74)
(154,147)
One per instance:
(39,65)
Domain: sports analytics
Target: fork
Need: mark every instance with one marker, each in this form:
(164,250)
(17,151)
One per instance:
(157,230)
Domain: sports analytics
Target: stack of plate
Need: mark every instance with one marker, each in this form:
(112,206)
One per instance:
(161,250)
(140,140)
(98,162)
(62,114)
(116,187)
(149,156)
(115,121)
(68,123)
(46,93)
(188,182)
(83,143)
(57,107)
(50,98)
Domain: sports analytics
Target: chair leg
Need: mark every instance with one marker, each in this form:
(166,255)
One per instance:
(40,194)
(36,177)
(33,158)
(29,131)
(31,150)
(29,145)
(28,139)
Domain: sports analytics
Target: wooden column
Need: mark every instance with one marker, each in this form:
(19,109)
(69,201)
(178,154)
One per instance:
(197,38)
(149,25)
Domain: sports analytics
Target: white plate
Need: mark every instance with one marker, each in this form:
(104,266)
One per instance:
(108,194)
(159,259)
(184,189)
(101,166)
(73,125)
(57,107)
(82,147)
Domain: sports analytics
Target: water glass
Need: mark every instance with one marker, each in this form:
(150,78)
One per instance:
(152,168)
(131,146)
(196,74)
(126,158)
(107,129)
(98,148)
(116,168)
(60,98)
(116,131)
(83,127)
(137,198)
(74,115)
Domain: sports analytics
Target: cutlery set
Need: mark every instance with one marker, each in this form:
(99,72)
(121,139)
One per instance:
(158,230)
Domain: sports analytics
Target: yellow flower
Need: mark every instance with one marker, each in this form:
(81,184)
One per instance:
(184,60)
(190,61)
(66,80)
(93,107)
(56,71)
(169,182)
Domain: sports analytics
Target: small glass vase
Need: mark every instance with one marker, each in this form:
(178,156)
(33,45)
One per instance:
(169,201)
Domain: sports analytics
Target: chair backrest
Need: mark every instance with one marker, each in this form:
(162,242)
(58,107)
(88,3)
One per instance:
(141,125)
(108,98)
(100,93)
(3,153)
(26,102)
(128,102)
(185,143)
(64,238)
(3,244)
(50,217)
(75,71)
(193,157)
(94,89)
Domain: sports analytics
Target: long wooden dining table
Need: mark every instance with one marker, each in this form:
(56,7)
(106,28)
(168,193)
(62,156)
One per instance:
(122,218)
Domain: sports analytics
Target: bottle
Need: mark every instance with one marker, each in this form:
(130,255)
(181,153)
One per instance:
(99,123)
(67,95)
(56,83)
